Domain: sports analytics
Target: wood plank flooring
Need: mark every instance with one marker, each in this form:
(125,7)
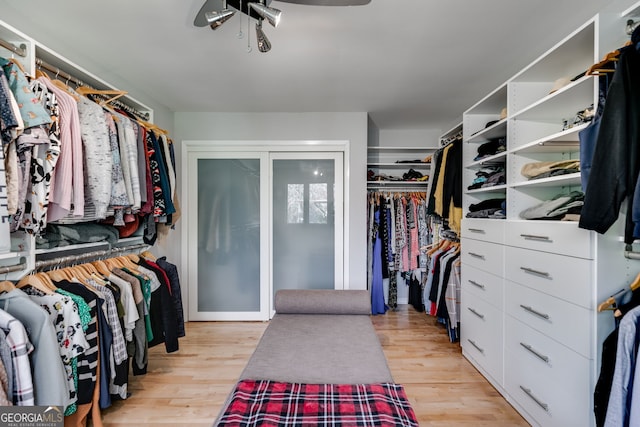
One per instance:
(189,387)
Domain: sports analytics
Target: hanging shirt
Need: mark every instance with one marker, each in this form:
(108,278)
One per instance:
(21,347)
(67,191)
(97,155)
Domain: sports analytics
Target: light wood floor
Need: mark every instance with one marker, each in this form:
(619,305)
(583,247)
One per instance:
(188,388)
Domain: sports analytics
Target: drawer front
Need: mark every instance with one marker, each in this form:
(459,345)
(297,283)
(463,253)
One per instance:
(483,285)
(556,237)
(483,229)
(485,256)
(561,276)
(481,334)
(560,320)
(547,379)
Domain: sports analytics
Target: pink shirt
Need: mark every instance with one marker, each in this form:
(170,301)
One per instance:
(67,190)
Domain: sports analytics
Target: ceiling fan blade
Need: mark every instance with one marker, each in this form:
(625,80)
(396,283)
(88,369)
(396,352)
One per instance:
(329,2)
(208,6)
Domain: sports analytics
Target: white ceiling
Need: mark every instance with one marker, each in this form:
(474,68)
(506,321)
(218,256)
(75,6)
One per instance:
(412,64)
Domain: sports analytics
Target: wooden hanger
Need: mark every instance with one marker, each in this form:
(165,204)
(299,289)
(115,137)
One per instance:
(6,286)
(102,267)
(609,304)
(110,95)
(148,255)
(636,283)
(37,281)
(599,67)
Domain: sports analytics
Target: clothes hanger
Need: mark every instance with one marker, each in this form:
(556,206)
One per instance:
(148,255)
(36,281)
(636,283)
(6,286)
(110,95)
(599,67)
(609,304)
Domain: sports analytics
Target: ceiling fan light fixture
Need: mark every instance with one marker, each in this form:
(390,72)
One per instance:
(269,13)
(264,45)
(216,19)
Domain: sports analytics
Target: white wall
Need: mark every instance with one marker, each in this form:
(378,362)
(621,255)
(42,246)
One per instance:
(351,127)
(409,137)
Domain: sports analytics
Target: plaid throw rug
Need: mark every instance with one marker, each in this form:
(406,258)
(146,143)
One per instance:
(269,403)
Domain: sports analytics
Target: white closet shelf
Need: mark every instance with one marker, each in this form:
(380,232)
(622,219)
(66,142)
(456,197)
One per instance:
(496,159)
(488,190)
(399,165)
(566,141)
(578,94)
(496,130)
(569,180)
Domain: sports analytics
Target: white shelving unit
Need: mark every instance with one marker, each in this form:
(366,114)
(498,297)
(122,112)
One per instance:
(395,162)
(530,289)
(22,255)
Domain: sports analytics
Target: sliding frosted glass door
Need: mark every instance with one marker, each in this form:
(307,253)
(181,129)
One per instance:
(306,206)
(230,279)
(260,218)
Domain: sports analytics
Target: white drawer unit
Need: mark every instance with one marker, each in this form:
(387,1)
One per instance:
(560,276)
(554,367)
(483,229)
(483,285)
(564,322)
(548,380)
(483,255)
(481,337)
(555,237)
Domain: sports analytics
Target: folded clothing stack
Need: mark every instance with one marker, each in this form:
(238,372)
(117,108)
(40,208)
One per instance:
(491,208)
(491,147)
(488,176)
(560,207)
(538,170)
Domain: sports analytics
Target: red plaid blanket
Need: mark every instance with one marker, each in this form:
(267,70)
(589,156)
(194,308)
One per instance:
(269,403)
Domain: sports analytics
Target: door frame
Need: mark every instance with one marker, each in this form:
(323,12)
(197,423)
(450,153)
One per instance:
(192,150)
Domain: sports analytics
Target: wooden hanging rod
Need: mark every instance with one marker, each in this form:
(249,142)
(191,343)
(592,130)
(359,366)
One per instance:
(18,50)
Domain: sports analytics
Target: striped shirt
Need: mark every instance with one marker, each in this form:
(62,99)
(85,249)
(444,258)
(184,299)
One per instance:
(21,347)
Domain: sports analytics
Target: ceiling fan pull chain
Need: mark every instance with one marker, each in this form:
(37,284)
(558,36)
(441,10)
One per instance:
(248,31)
(240,34)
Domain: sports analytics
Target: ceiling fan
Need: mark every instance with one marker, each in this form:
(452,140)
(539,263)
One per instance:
(243,6)
(214,13)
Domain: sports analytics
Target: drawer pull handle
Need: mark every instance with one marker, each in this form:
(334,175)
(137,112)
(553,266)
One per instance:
(481,350)
(476,230)
(476,284)
(534,237)
(540,356)
(476,255)
(535,399)
(536,272)
(476,313)
(537,313)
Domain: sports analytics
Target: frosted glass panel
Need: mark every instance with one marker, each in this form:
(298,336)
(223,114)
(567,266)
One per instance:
(303,224)
(228,235)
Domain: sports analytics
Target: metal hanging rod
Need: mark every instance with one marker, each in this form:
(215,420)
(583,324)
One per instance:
(631,26)
(629,253)
(89,255)
(18,50)
(68,77)
(12,268)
